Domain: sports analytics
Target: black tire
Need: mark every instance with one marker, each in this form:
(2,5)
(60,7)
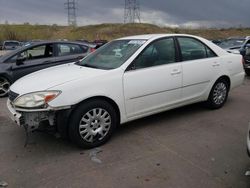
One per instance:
(247,72)
(213,102)
(81,112)
(4,86)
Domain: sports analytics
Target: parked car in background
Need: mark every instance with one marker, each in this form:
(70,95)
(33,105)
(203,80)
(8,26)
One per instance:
(217,41)
(82,40)
(234,44)
(248,140)
(11,45)
(1,45)
(245,52)
(99,43)
(126,79)
(37,56)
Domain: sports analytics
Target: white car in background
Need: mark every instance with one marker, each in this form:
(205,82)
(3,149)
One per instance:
(150,74)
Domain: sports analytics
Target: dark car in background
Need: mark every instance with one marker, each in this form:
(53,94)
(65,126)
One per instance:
(245,52)
(234,44)
(37,56)
(99,43)
(10,45)
(1,45)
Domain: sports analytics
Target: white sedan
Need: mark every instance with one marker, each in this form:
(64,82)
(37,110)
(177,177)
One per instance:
(127,79)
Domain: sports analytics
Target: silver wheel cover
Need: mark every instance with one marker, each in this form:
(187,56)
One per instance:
(95,125)
(219,93)
(4,86)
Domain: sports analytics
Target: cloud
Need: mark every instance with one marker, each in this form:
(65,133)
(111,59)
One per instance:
(177,13)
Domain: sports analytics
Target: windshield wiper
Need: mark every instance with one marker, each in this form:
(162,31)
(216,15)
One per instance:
(90,66)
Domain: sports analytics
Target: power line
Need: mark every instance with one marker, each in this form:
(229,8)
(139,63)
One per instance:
(70,5)
(132,11)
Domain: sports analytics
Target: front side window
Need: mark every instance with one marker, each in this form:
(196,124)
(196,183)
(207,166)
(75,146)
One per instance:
(112,55)
(160,52)
(37,52)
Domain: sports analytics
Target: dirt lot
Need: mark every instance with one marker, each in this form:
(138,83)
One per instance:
(188,147)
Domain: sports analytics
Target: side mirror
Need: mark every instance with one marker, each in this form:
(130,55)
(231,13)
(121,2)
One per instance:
(20,60)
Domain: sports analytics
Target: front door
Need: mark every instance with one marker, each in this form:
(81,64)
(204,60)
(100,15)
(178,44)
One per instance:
(154,82)
(34,59)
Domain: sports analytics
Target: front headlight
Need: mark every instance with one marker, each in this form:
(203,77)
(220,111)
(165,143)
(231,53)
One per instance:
(36,100)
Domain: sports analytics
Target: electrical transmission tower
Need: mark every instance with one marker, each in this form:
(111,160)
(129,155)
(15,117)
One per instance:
(132,11)
(70,5)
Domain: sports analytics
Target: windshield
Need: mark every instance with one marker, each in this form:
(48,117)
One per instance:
(231,43)
(112,55)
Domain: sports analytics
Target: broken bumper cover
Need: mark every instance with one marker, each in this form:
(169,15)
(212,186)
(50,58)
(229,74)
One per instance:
(32,119)
(14,115)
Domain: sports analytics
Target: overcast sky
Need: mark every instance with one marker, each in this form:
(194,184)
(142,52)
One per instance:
(189,13)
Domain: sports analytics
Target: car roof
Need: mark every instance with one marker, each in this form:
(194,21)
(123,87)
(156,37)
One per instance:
(33,44)
(11,41)
(239,38)
(56,41)
(153,36)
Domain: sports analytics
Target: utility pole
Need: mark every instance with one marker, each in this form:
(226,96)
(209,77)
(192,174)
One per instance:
(70,5)
(132,11)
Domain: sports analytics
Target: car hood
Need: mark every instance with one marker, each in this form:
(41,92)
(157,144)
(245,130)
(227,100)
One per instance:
(48,78)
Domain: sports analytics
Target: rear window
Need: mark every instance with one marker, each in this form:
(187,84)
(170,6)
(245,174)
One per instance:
(11,43)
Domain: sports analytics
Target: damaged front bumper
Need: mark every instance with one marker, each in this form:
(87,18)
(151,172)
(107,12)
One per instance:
(33,119)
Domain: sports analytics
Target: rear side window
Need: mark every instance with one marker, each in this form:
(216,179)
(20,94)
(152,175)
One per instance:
(192,49)
(70,49)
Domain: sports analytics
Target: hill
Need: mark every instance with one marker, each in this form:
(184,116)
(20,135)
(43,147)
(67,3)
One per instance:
(106,31)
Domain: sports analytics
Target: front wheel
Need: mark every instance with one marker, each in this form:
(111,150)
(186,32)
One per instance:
(92,123)
(218,95)
(4,86)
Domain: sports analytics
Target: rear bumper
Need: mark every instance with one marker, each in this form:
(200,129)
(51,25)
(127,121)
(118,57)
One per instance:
(237,79)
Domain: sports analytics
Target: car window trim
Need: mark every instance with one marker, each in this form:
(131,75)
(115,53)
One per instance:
(206,47)
(131,66)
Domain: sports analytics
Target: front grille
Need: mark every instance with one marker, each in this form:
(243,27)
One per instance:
(12,95)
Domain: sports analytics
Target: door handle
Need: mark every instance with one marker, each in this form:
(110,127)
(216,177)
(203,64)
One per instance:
(216,64)
(175,72)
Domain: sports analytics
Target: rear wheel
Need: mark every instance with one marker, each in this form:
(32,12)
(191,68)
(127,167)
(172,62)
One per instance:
(4,86)
(92,123)
(218,95)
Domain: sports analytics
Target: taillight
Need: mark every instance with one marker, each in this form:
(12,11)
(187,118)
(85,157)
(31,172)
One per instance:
(92,50)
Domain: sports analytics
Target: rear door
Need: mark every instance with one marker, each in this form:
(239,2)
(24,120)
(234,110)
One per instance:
(200,66)
(69,52)
(34,59)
